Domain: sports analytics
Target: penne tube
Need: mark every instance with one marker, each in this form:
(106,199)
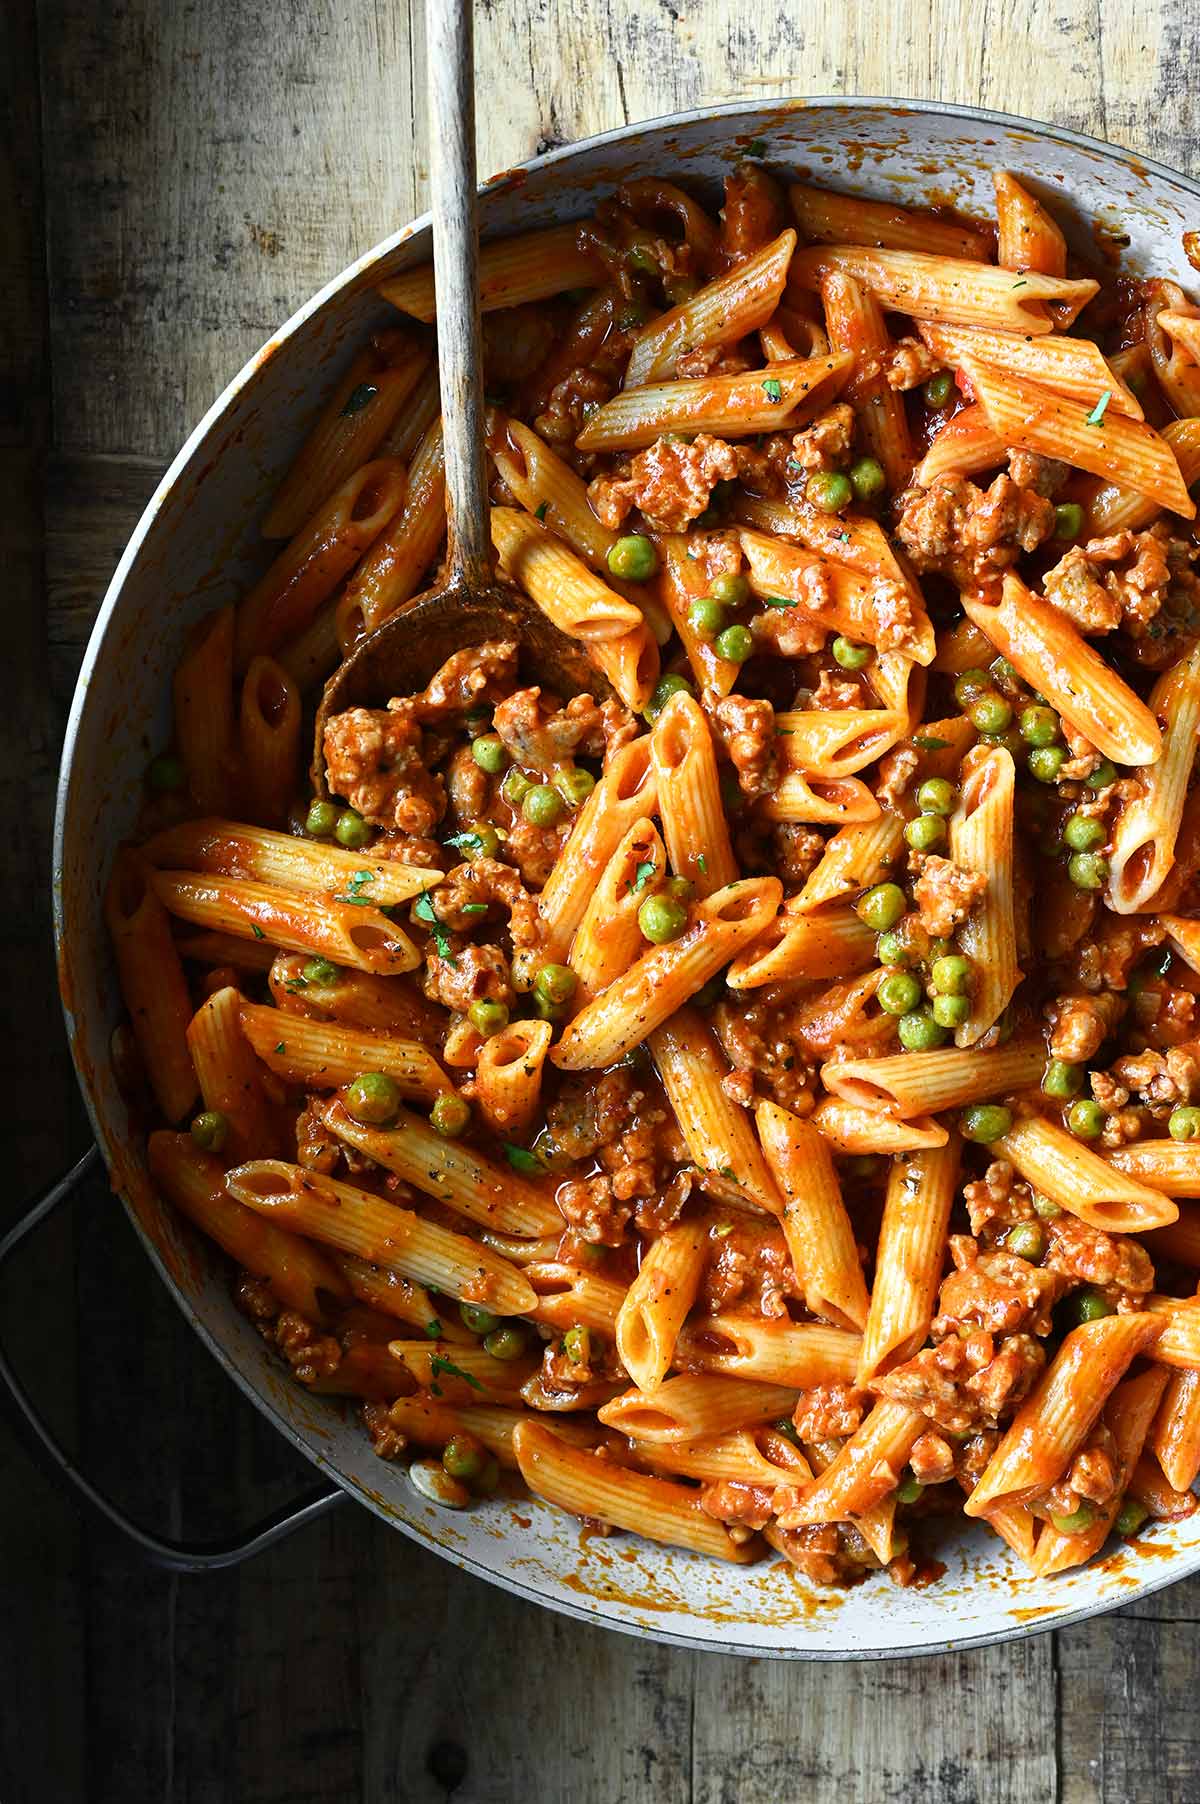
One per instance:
(845,601)
(229,1075)
(877,1526)
(966,444)
(854,540)
(313,563)
(383,1005)
(1075,1178)
(854,859)
(1106,443)
(153,985)
(350,429)
(1170,1166)
(851,1128)
(362,937)
(631,664)
(865,1471)
(1128,1415)
(1173,341)
(826,217)
(561,584)
(530,267)
(836,742)
(981,839)
(736,304)
(1178,1345)
(800,1354)
(393,569)
(1054,1421)
(666,976)
(608,938)
(855,326)
(950,288)
(390,1293)
(831,942)
(1016,1527)
(205,729)
(1179,1241)
(568,1297)
(926,1083)
(1174,1438)
(1073,367)
(428,1423)
(311,656)
(1027,237)
(696,1406)
(365,1369)
(457,1374)
(822,801)
(1149,1488)
(718,1131)
(295,1270)
(451,1173)
(657,1302)
(909,1258)
(236,849)
(683,580)
(625,794)
(689,797)
(603,1491)
(748,1456)
(269,736)
(223,949)
(1114,508)
(1050,654)
(780,397)
(508,1075)
(323,1055)
(1147,824)
(421,411)
(818,1231)
(355,1221)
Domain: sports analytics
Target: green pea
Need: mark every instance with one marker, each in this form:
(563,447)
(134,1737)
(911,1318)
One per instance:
(937,796)
(463,1457)
(969,685)
(485,840)
(1038,726)
(990,714)
(542,807)
(1184,1124)
(1082,834)
(938,389)
(664,689)
(925,833)
(555,982)
(633,558)
(909,1489)
(1085,1119)
(919,1032)
(707,617)
(891,950)
(1045,1207)
(1087,870)
(867,478)
(849,655)
(490,753)
(577,1345)
(1062,1080)
(1104,774)
(985,1122)
(1028,1241)
(682,888)
(1090,1306)
(508,1342)
(730,589)
(478,1320)
(210,1130)
(1068,520)
(881,907)
(950,1011)
(373,1097)
(1130,1517)
(320,970)
(488,1018)
(829,491)
(321,820)
(516,786)
(1004,672)
(1045,762)
(449,1115)
(899,993)
(736,643)
(165,773)
(351,830)
(661,918)
(1076,1522)
(950,974)
(548,1011)
(574,785)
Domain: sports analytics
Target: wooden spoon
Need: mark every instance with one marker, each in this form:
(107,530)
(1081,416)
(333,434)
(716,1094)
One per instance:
(402,654)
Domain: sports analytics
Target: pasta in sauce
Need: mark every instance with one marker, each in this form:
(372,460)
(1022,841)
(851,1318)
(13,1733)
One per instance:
(757,1105)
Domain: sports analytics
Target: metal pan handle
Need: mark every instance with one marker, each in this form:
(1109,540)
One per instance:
(175,1556)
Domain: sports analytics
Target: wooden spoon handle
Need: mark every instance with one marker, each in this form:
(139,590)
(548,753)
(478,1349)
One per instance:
(450,73)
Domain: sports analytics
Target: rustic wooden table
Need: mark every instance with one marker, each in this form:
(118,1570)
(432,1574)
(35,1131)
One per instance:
(176,179)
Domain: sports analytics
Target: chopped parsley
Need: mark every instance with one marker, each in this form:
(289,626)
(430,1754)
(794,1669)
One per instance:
(439,1363)
(642,876)
(360,397)
(296,984)
(727,1171)
(470,843)
(1097,414)
(280,1047)
(928,743)
(257,931)
(539,512)
(778,601)
(773,389)
(702,865)
(522,1160)
(355,888)
(1021,284)
(474,908)
(423,910)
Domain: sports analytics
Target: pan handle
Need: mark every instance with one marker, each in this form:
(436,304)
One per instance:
(174,1556)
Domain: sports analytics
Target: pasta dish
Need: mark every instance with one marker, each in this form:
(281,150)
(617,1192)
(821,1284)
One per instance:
(746,1104)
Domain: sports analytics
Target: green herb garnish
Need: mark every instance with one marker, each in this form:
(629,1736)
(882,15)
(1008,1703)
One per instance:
(1097,414)
(423,910)
(928,743)
(439,1363)
(773,389)
(521,1159)
(257,931)
(355,887)
(642,876)
(539,512)
(778,601)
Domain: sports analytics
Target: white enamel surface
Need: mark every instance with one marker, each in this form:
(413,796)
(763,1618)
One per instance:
(197,546)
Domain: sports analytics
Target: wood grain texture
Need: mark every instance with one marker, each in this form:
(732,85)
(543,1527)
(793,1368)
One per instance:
(204,170)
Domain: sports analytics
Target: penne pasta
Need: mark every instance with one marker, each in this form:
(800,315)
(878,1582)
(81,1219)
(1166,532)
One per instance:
(236,849)
(655,1306)
(1075,1178)
(981,839)
(845,601)
(830,942)
(323,1055)
(825,217)
(530,267)
(568,1297)
(394,567)
(723,311)
(908,1258)
(152,983)
(780,397)
(950,288)
(696,1406)
(204,717)
(508,1075)
(926,1083)
(719,1135)
(827,801)
(837,742)
(966,444)
(1169,1166)
(819,1234)
(851,1128)
(1128,1416)
(855,326)
(1072,367)
(1147,824)
(608,938)
(269,738)
(625,794)
(577,602)
(362,937)
(1174,1436)
(1115,509)
(865,1471)
(748,1456)
(230,1076)
(801,1354)
(854,859)
(1027,237)
(689,797)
